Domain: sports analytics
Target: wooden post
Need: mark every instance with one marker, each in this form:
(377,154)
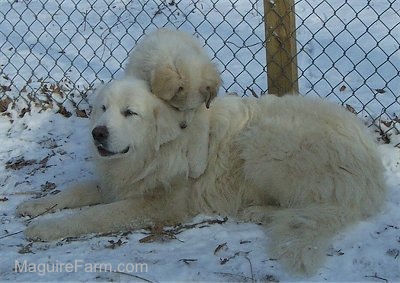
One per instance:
(280,37)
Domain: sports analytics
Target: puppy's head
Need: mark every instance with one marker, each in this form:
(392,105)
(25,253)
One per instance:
(187,83)
(167,83)
(128,120)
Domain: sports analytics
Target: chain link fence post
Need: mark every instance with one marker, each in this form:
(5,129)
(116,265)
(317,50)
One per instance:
(280,37)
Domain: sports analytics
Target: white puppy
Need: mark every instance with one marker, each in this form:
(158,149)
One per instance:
(303,167)
(177,69)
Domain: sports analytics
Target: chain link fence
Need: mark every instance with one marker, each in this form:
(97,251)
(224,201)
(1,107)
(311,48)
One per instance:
(54,53)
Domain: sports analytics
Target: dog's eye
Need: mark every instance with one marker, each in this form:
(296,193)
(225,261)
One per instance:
(129,113)
(103,108)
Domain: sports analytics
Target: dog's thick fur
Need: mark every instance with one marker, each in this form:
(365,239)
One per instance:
(303,167)
(176,67)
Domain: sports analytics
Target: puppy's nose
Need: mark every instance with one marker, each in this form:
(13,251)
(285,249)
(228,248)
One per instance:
(100,133)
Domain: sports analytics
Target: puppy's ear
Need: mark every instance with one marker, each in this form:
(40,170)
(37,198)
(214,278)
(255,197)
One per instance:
(165,82)
(211,83)
(167,125)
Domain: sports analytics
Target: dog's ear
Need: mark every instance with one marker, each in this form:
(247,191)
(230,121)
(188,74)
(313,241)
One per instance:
(211,83)
(165,82)
(167,125)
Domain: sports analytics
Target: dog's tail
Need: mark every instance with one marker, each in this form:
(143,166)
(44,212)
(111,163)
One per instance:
(299,236)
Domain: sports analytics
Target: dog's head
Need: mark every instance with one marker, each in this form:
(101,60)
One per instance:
(128,119)
(186,83)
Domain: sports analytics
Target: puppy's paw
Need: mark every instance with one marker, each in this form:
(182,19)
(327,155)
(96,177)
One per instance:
(44,231)
(35,207)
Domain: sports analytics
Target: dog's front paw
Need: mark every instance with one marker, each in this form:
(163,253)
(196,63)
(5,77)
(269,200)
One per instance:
(35,207)
(46,230)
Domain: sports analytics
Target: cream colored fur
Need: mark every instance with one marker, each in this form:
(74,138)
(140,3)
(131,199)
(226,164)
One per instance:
(179,71)
(303,167)
(176,67)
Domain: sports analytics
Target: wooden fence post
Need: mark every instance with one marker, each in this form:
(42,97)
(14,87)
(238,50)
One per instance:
(280,37)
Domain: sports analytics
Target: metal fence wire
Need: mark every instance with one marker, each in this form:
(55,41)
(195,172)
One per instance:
(53,53)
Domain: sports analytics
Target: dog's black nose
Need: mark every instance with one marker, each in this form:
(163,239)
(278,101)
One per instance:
(100,133)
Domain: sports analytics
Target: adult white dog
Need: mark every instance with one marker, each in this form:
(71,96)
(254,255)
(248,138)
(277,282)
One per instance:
(303,167)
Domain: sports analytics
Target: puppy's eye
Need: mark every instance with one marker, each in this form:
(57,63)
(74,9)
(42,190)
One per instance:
(129,113)
(103,108)
(180,89)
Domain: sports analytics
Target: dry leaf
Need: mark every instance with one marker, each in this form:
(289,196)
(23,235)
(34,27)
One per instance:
(26,249)
(393,253)
(253,93)
(81,113)
(221,246)
(162,237)
(4,104)
(19,163)
(63,111)
(114,244)
(48,186)
(5,88)
(351,109)
(43,162)
(188,260)
(387,123)
(23,112)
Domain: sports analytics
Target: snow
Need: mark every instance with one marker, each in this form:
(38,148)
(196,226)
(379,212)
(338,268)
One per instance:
(43,151)
(367,249)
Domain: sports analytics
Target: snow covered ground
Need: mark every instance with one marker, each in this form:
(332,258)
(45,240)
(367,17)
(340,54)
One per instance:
(42,152)
(45,152)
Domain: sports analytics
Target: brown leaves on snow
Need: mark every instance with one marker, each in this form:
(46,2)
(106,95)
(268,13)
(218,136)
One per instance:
(160,233)
(19,162)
